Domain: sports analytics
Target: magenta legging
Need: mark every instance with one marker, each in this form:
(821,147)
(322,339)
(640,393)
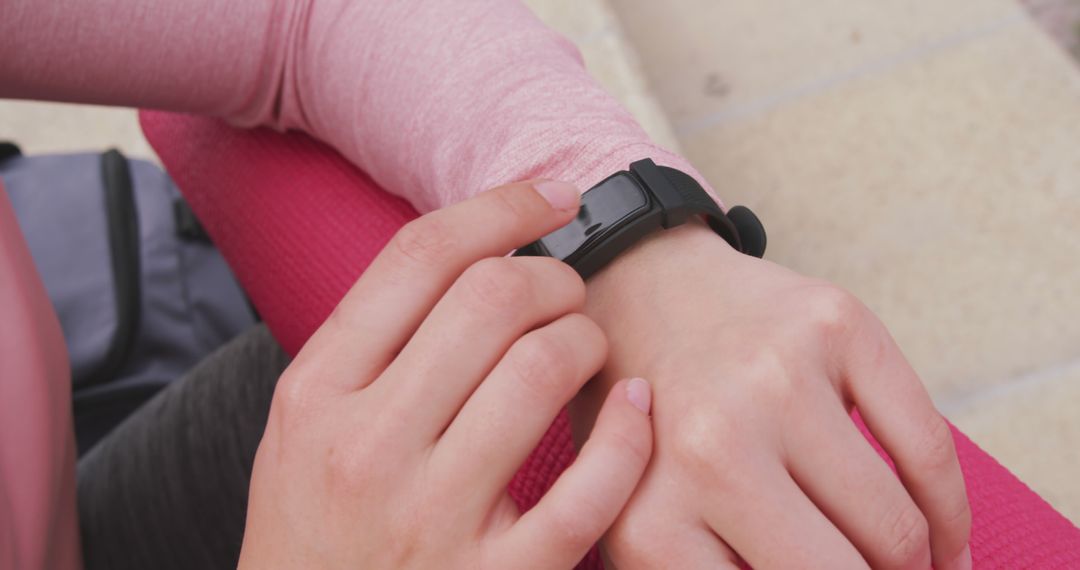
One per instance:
(299,224)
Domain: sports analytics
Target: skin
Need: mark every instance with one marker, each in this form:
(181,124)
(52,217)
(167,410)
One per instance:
(393,434)
(755,369)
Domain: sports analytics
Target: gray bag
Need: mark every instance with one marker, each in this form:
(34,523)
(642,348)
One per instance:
(141,293)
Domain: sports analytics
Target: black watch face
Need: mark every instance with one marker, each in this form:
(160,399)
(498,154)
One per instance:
(604,208)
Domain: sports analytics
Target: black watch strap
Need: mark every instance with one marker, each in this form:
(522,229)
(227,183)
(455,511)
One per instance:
(739,226)
(628,205)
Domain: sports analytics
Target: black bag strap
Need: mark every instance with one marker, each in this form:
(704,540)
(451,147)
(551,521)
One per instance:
(124,247)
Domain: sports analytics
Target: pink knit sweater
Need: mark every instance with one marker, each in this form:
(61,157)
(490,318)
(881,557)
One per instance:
(435,100)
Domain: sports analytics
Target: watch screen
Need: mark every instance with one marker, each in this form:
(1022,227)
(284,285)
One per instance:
(604,207)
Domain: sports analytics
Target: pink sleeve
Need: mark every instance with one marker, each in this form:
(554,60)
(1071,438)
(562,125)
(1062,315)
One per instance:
(37,447)
(436,100)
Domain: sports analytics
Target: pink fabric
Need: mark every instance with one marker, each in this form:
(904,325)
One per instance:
(38,528)
(436,100)
(298,223)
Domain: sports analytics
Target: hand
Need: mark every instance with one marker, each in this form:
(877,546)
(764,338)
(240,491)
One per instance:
(755,370)
(394,433)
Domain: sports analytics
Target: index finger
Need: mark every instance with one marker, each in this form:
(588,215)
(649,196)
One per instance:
(383,309)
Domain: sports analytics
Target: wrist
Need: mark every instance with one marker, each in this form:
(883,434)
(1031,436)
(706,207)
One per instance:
(626,294)
(660,260)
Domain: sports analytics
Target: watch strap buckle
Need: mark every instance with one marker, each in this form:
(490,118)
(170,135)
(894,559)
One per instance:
(679,195)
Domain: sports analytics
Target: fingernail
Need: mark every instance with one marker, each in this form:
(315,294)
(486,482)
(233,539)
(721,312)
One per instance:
(962,560)
(560,195)
(639,394)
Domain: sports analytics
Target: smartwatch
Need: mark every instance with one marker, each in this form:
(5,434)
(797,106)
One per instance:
(630,204)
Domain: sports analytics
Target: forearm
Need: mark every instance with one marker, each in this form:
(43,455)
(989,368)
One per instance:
(199,56)
(440,100)
(436,100)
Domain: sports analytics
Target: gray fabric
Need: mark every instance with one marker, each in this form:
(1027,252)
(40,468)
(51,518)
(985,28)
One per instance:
(190,302)
(68,240)
(167,489)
